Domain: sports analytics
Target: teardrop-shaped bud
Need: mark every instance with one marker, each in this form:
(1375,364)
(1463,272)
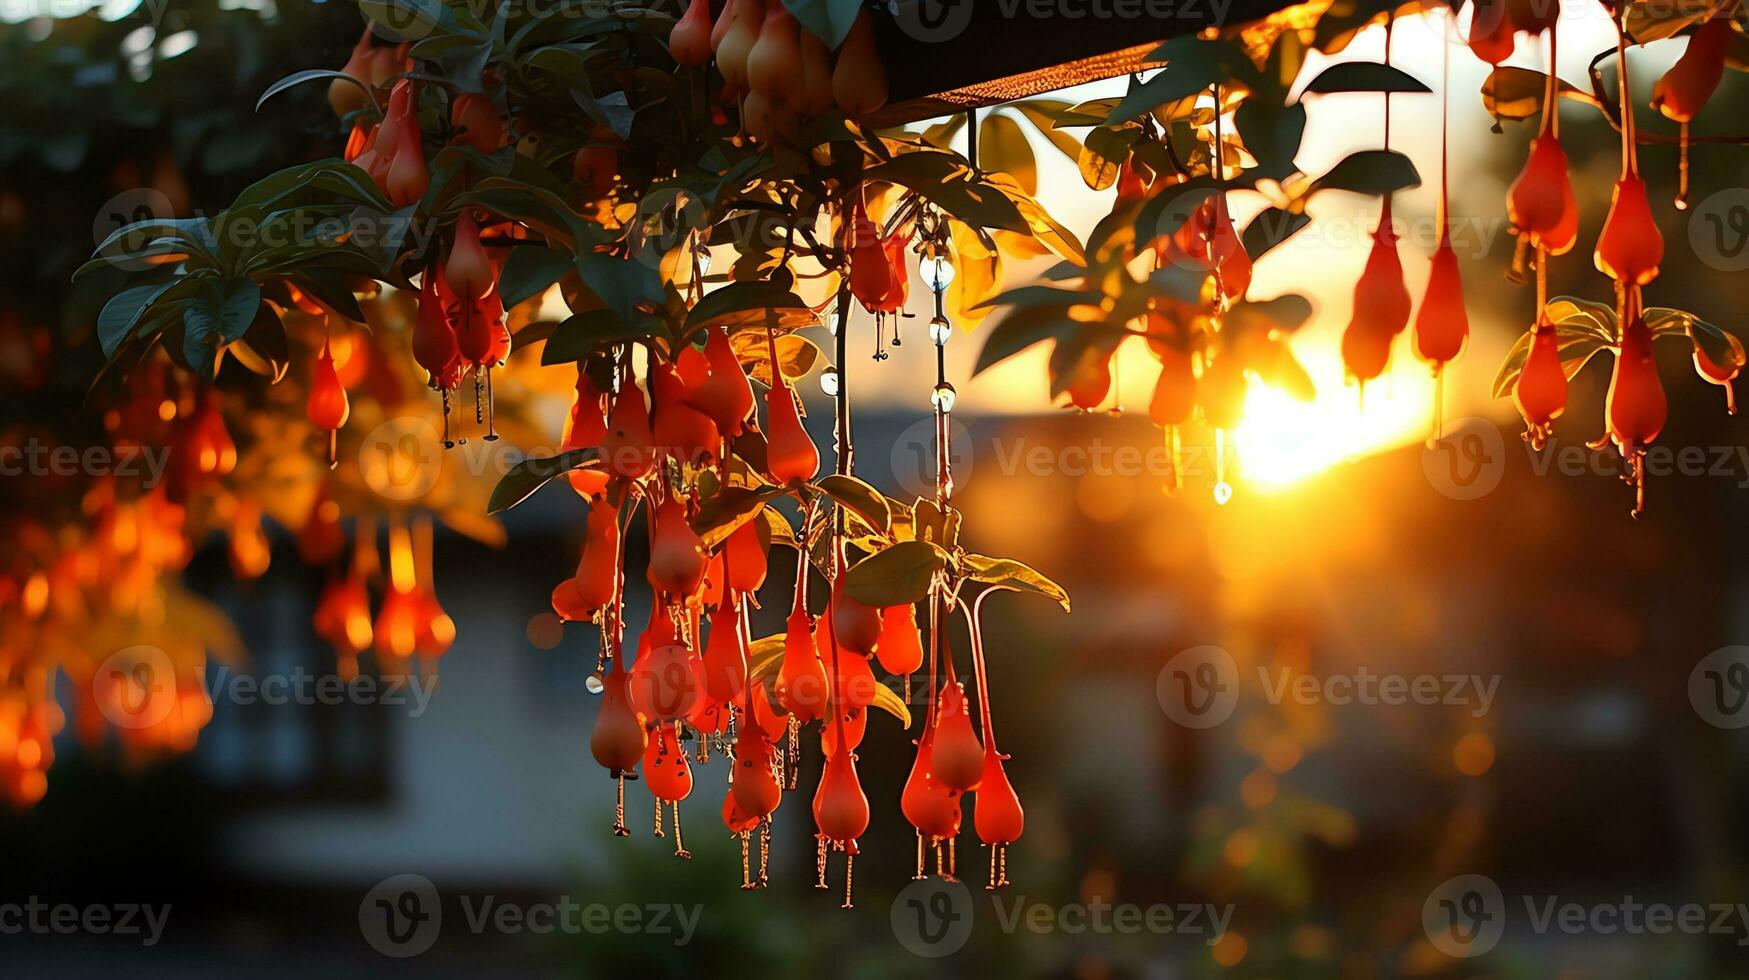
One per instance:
(898,283)
(1541,390)
(790,455)
(840,807)
(477,123)
(1492,34)
(586,426)
(568,604)
(859,81)
(677,558)
(321,539)
(467,271)
(801,679)
(1630,248)
(1635,406)
(767,713)
(1175,392)
(857,627)
(598,570)
(928,805)
(1089,377)
(682,432)
(747,18)
(327,406)
(666,771)
(900,650)
(1442,325)
(996,811)
(690,40)
(628,449)
(851,725)
(1540,201)
(746,561)
(665,677)
(725,655)
(736,819)
(1690,82)
(344,96)
(774,63)
(959,756)
(871,272)
(816,94)
(617,740)
(755,788)
(434,343)
(725,395)
(407,179)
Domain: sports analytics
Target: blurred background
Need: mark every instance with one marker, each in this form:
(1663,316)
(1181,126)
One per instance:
(1320,832)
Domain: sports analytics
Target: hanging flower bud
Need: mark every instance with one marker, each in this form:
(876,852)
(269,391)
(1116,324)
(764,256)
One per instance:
(754,788)
(1690,82)
(344,96)
(477,123)
(840,807)
(1630,248)
(801,680)
(1381,305)
(958,755)
(900,650)
(682,432)
(1089,380)
(774,63)
(666,771)
(996,811)
(586,426)
(327,406)
(434,343)
(746,561)
(1442,326)
(407,178)
(725,395)
(1541,391)
(359,142)
(677,559)
(871,269)
(725,655)
(1721,374)
(737,43)
(343,616)
(664,683)
(1540,201)
(859,82)
(929,805)
(690,40)
(1635,406)
(790,454)
(467,271)
(627,450)
(597,575)
(816,94)
(1175,392)
(617,740)
(856,626)
(321,540)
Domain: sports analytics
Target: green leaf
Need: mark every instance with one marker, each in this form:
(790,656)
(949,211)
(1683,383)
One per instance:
(739,304)
(530,475)
(1717,346)
(1021,329)
(1103,154)
(1584,315)
(1270,228)
(1003,146)
(722,513)
(123,312)
(896,576)
(865,501)
(1575,347)
(1364,76)
(221,310)
(1193,65)
(1517,93)
(1012,574)
(828,20)
(580,336)
(948,182)
(1375,172)
(529,270)
(310,75)
(620,283)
